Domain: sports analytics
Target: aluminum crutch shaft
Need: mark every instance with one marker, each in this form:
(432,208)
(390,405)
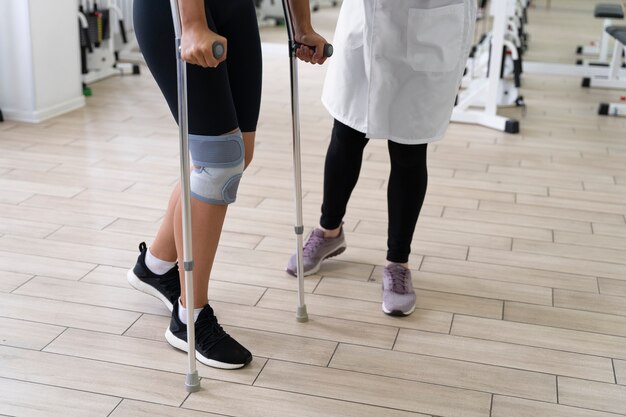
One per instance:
(192,382)
(301,312)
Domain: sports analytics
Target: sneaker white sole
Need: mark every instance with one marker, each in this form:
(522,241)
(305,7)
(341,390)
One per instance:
(184,346)
(397,312)
(335,252)
(138,284)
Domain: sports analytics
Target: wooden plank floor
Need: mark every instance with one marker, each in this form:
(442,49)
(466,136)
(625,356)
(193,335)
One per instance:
(519,263)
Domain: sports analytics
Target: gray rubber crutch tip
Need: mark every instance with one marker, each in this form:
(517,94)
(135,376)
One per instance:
(192,382)
(301,315)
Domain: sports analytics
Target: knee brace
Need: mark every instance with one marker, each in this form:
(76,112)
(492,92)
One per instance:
(218,165)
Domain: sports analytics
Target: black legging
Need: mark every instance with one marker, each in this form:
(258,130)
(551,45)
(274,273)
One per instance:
(219,99)
(408,180)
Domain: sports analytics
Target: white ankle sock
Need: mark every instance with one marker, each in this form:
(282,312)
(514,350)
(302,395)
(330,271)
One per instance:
(156,265)
(182,313)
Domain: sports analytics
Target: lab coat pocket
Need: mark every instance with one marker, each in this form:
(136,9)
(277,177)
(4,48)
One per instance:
(435,38)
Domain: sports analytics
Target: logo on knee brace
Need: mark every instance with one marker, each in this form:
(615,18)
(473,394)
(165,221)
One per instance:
(229,193)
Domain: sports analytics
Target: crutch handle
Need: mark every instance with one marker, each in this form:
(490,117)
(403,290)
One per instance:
(328,48)
(218,49)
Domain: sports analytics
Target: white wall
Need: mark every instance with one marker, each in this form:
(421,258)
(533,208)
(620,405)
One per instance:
(39,59)
(17,89)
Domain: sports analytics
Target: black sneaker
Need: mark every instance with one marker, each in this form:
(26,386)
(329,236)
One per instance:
(165,287)
(214,347)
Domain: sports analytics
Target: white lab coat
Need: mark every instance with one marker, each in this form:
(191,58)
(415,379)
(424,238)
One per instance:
(398,65)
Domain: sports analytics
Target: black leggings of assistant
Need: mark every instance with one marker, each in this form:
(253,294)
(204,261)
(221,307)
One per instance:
(408,181)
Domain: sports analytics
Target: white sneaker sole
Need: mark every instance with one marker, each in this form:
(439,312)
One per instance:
(184,346)
(397,312)
(138,284)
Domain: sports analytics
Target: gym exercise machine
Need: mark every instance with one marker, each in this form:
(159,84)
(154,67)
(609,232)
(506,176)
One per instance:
(573,70)
(493,61)
(125,42)
(613,109)
(270,12)
(613,80)
(316,4)
(510,73)
(98,55)
(618,108)
(606,11)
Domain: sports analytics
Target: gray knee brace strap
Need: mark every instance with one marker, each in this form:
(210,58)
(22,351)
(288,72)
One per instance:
(218,162)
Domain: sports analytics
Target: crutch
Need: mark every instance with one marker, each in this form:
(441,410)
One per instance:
(301,313)
(192,382)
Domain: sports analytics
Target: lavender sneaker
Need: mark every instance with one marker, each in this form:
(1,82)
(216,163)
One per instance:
(316,249)
(398,292)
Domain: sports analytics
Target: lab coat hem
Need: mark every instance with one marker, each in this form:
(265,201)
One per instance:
(404,141)
(341,119)
(362,129)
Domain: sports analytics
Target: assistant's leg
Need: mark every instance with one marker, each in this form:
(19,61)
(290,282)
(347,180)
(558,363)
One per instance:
(341,173)
(408,181)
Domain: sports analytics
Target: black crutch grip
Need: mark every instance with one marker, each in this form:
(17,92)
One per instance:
(328,49)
